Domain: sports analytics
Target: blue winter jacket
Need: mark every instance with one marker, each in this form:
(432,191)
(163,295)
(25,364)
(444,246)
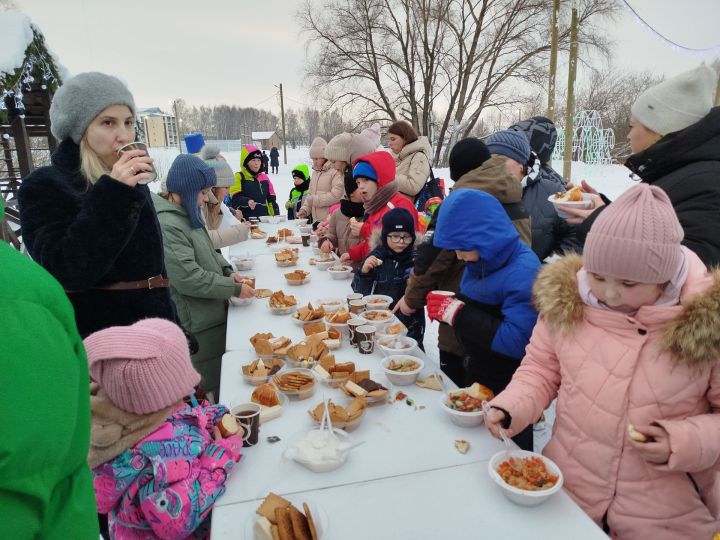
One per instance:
(498,287)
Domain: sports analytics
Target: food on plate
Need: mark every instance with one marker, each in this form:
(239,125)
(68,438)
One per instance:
(462,446)
(228,426)
(266,395)
(635,435)
(573,195)
(280,300)
(395,329)
(526,473)
(281,520)
(271,240)
(314,328)
(402,365)
(469,399)
(363,385)
(260,368)
(339,414)
(263,293)
(265,344)
(287,255)
(308,313)
(374,301)
(377,315)
(309,352)
(284,233)
(395,343)
(321,372)
(297,275)
(339,268)
(293,381)
(341,316)
(432,382)
(355,389)
(342,370)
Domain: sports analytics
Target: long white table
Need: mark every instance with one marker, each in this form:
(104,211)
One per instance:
(408,450)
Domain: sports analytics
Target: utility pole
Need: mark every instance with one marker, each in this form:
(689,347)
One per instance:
(553,59)
(570,113)
(282,114)
(177,126)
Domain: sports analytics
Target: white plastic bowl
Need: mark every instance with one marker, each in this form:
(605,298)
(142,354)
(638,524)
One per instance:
(240,302)
(299,394)
(282,310)
(584,204)
(302,281)
(264,219)
(384,334)
(346,440)
(300,323)
(257,381)
(460,418)
(380,324)
(402,378)
(243,263)
(324,265)
(385,342)
(336,303)
(343,271)
(378,301)
(521,496)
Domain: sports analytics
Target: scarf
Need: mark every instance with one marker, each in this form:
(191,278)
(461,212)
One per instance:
(669,297)
(533,170)
(381,197)
(352,209)
(113,430)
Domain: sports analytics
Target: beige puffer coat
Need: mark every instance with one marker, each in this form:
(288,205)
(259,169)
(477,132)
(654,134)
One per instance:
(413,167)
(326,188)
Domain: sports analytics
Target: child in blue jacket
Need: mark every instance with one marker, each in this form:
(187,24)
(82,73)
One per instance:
(387,268)
(493,317)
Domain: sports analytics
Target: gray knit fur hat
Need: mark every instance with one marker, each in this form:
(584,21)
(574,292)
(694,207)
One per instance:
(81,99)
(225,175)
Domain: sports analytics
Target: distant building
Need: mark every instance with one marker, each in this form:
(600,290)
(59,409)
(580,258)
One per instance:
(160,128)
(266,139)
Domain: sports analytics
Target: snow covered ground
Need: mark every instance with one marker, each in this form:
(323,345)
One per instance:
(611,180)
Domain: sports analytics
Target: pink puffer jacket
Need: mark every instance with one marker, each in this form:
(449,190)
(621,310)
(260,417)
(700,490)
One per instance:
(608,370)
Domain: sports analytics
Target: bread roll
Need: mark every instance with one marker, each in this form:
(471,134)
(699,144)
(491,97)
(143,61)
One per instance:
(635,435)
(265,394)
(228,426)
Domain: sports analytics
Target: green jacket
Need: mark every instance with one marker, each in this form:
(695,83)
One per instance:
(46,488)
(199,282)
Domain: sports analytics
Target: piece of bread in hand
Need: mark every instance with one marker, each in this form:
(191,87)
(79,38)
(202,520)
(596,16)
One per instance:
(635,435)
(228,426)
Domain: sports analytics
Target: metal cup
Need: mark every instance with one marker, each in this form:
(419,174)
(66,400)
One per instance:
(140,146)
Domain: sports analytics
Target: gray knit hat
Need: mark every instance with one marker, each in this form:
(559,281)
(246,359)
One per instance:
(338,149)
(678,102)
(188,176)
(224,173)
(512,144)
(81,99)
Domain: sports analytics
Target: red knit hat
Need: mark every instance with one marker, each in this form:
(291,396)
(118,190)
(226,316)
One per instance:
(636,238)
(144,367)
(382,163)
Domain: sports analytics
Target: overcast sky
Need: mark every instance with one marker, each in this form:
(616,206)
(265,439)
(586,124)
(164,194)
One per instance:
(235,51)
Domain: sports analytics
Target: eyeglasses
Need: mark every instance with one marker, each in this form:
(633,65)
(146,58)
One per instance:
(400,238)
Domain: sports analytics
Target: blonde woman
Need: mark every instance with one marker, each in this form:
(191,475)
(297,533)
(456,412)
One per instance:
(88,217)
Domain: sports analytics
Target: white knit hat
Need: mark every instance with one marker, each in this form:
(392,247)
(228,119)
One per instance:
(678,102)
(317,148)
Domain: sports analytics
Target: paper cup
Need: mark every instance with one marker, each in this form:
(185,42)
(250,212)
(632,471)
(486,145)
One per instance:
(139,146)
(365,336)
(248,416)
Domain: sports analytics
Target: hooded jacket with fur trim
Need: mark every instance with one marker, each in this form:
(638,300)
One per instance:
(608,370)
(253,186)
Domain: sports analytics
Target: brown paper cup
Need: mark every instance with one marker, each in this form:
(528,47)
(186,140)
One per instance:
(365,336)
(353,324)
(248,416)
(139,146)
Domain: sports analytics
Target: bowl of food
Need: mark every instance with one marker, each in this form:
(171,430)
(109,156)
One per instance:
(379,318)
(246,262)
(320,450)
(259,371)
(329,305)
(240,302)
(297,277)
(307,314)
(343,417)
(324,264)
(525,478)
(298,383)
(393,330)
(339,271)
(390,345)
(378,301)
(264,219)
(464,406)
(282,304)
(574,198)
(402,369)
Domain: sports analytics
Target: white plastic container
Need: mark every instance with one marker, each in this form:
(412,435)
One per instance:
(522,496)
(402,378)
(460,418)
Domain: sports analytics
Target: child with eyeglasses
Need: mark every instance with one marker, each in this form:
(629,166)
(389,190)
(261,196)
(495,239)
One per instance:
(387,268)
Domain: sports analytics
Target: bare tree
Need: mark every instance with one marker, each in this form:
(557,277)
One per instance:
(310,118)
(413,59)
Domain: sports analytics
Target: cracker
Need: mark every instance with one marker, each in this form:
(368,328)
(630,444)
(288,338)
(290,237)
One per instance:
(314,328)
(270,504)
(300,527)
(311,522)
(284,523)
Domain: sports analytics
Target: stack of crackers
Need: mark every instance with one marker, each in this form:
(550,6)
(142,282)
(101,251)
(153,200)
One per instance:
(280,520)
(308,313)
(341,316)
(266,345)
(294,382)
(311,351)
(328,369)
(280,300)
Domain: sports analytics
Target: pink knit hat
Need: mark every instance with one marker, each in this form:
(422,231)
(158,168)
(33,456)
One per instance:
(636,238)
(143,367)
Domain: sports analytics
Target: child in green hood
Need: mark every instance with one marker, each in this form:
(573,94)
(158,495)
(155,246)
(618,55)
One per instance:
(301,180)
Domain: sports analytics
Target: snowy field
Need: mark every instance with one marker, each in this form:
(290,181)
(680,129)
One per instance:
(611,180)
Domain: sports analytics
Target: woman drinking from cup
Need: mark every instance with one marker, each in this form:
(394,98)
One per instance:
(88,218)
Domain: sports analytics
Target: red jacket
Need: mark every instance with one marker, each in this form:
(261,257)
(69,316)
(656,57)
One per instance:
(384,166)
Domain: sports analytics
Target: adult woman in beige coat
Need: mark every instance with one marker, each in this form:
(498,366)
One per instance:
(412,158)
(326,184)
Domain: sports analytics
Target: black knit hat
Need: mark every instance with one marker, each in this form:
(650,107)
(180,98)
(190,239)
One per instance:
(350,183)
(466,155)
(255,154)
(397,220)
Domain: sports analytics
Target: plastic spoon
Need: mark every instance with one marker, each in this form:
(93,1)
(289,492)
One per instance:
(503,434)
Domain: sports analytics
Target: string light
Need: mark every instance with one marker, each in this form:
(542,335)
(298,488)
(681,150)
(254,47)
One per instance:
(674,45)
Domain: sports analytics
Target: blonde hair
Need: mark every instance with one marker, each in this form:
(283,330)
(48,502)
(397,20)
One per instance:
(91,166)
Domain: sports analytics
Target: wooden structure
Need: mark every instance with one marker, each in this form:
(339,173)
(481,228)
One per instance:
(25,136)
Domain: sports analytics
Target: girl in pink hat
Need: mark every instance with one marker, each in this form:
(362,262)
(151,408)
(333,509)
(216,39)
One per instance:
(627,341)
(159,463)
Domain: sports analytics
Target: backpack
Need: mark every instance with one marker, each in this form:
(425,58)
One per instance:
(434,187)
